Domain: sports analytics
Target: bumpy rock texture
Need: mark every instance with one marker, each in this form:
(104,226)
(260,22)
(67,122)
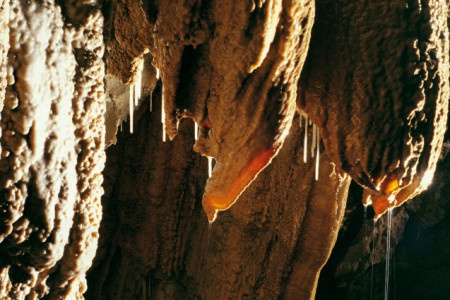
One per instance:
(155,240)
(52,146)
(232,67)
(376,83)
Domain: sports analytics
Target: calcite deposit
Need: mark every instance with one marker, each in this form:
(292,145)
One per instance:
(52,147)
(376,82)
(238,81)
(232,68)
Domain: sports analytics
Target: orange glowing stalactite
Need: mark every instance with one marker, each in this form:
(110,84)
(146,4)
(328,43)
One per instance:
(215,202)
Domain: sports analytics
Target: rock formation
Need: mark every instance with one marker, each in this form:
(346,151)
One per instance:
(372,76)
(382,108)
(52,145)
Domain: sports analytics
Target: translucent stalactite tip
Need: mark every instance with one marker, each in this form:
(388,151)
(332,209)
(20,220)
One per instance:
(163,115)
(195,131)
(131,109)
(137,87)
(209,166)
(305,141)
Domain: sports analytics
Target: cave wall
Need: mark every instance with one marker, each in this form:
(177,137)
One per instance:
(157,240)
(52,146)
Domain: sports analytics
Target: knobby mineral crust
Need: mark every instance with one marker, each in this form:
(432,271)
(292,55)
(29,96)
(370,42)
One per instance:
(155,240)
(52,147)
(375,82)
(231,67)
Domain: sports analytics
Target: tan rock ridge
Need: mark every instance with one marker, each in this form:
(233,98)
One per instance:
(52,147)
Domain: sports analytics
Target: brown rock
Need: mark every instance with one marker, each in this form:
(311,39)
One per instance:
(156,242)
(376,83)
(52,148)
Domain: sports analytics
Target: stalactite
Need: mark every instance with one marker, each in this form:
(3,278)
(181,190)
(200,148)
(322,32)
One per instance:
(210,167)
(195,131)
(138,86)
(313,141)
(131,107)
(163,114)
(305,141)
(317,153)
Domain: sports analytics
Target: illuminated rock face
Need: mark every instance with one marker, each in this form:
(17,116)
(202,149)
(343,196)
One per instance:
(52,147)
(231,67)
(381,110)
(376,84)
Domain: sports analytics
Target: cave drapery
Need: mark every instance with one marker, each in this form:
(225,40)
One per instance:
(373,76)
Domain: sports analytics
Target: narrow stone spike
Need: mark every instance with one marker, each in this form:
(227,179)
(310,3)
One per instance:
(305,142)
(137,88)
(209,166)
(313,143)
(195,131)
(157,74)
(163,115)
(300,120)
(131,109)
(317,153)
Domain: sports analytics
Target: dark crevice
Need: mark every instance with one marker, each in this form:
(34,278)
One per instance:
(190,64)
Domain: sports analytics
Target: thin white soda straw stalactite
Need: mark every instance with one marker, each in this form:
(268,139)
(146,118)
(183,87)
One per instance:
(388,254)
(317,153)
(209,166)
(305,142)
(157,74)
(131,109)
(195,130)
(313,143)
(163,115)
(137,87)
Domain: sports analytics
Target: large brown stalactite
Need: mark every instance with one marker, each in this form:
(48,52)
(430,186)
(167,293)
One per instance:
(382,106)
(231,67)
